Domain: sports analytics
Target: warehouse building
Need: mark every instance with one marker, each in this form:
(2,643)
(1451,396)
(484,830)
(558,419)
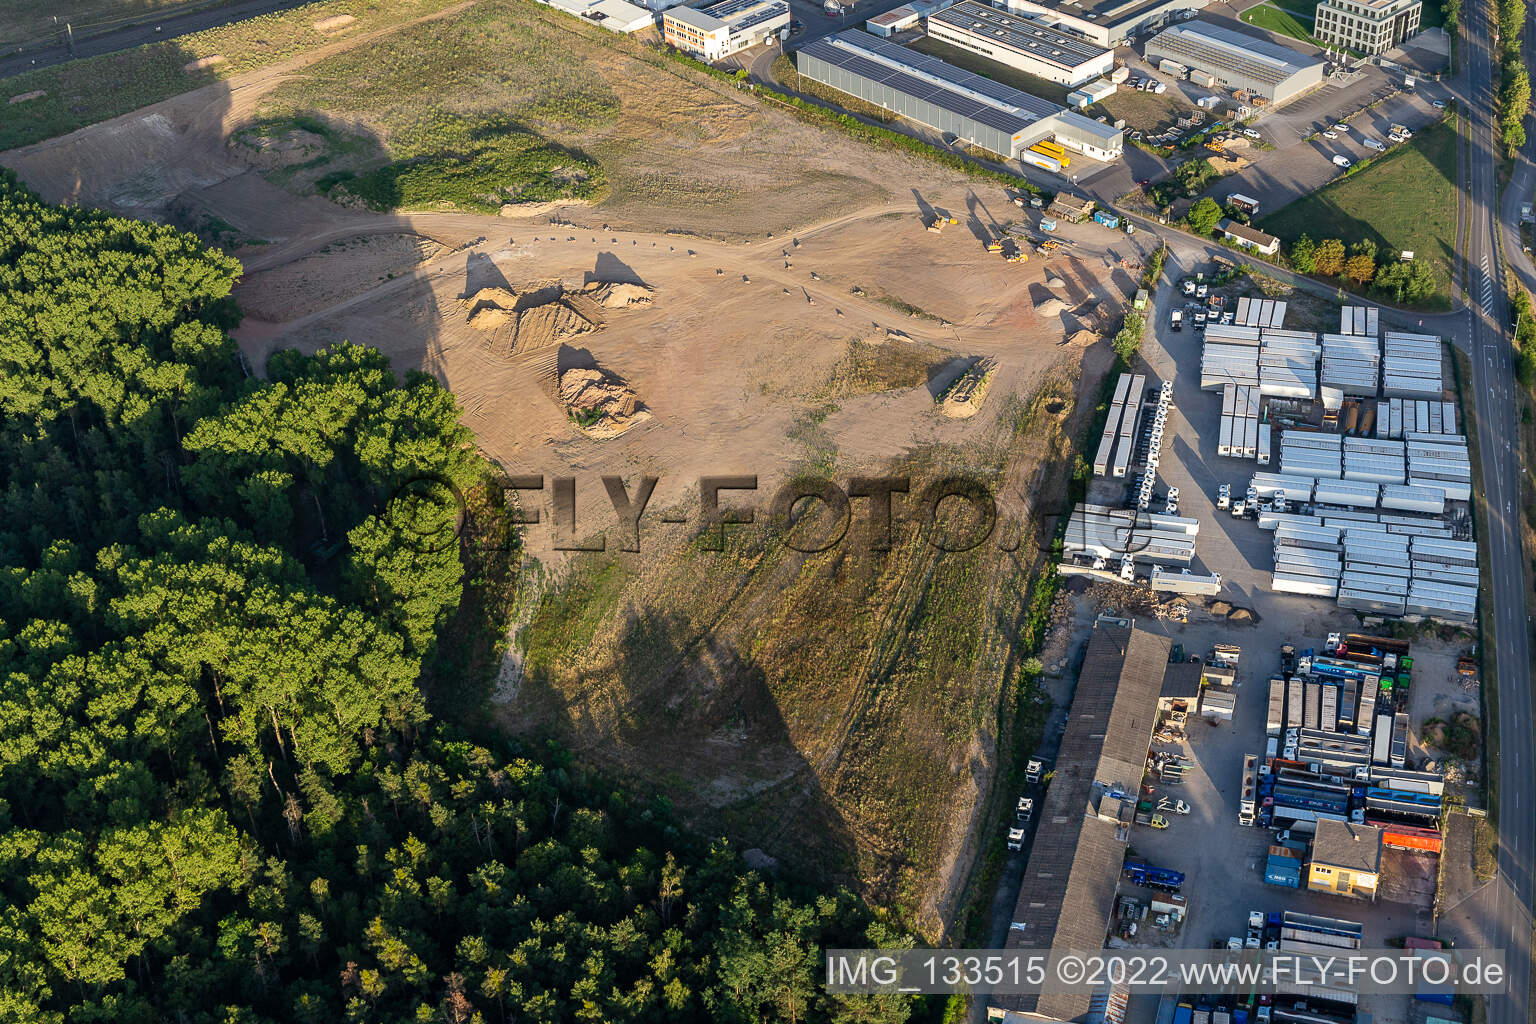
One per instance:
(1239,62)
(1370,26)
(926,90)
(719,30)
(1023,43)
(1068,891)
(1108,23)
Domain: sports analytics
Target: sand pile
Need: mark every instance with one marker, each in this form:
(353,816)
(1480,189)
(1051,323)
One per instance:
(963,398)
(204,63)
(617,295)
(539,314)
(335,23)
(1055,282)
(1050,307)
(601,404)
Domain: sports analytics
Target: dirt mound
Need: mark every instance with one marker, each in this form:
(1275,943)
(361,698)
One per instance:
(35,94)
(488,318)
(617,295)
(1227,164)
(549,324)
(963,398)
(204,63)
(601,404)
(499,297)
(1054,283)
(1050,307)
(334,24)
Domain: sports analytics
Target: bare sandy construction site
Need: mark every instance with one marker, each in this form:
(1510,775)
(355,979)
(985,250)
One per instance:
(805,319)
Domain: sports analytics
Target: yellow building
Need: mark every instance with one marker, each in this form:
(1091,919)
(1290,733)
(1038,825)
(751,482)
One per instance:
(1346,860)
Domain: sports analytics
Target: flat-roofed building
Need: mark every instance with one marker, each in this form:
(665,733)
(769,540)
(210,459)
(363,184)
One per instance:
(1023,43)
(1370,26)
(1346,859)
(722,29)
(1108,23)
(926,90)
(1067,896)
(1240,62)
(896,20)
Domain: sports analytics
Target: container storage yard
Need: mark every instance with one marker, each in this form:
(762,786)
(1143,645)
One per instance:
(1362,478)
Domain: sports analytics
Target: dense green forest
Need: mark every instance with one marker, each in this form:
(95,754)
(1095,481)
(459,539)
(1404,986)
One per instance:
(227,794)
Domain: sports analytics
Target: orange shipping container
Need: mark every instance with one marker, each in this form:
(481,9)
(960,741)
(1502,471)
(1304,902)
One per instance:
(1402,838)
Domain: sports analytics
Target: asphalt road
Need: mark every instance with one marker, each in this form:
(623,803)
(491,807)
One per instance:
(153,30)
(1488,341)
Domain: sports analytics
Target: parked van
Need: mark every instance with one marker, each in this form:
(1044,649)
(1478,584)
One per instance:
(1342,161)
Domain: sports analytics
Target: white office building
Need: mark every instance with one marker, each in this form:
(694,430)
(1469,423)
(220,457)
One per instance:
(719,30)
(1369,26)
(1023,43)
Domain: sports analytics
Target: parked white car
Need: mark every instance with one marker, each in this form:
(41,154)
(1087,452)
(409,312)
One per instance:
(1330,135)
(1342,161)
(1250,133)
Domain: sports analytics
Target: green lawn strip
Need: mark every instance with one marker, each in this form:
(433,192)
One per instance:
(1405,199)
(1273,19)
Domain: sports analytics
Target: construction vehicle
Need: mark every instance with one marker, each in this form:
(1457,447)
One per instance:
(995,246)
(1466,667)
(1015,839)
(938,224)
(1025,811)
(1034,771)
(1159,822)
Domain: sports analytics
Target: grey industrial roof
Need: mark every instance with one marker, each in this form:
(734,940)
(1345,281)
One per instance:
(928,78)
(1103,13)
(1023,35)
(1213,47)
(728,12)
(1074,866)
(1344,844)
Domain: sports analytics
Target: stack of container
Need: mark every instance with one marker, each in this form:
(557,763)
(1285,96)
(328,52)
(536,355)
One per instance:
(1099,531)
(1307,454)
(1373,460)
(1440,461)
(1411,366)
(1445,580)
(1239,422)
(1352,364)
(1376,572)
(1288,363)
(1307,560)
(1359,320)
(1230,356)
(1349,493)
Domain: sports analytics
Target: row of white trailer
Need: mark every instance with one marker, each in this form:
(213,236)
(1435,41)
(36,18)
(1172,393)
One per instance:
(1118,443)
(1242,436)
(1360,320)
(1438,464)
(1297,489)
(1396,417)
(1411,366)
(1260,312)
(1367,568)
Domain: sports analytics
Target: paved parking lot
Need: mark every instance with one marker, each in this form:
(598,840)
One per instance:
(1295,168)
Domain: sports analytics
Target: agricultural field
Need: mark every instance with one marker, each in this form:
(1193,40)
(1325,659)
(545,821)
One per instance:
(1405,199)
